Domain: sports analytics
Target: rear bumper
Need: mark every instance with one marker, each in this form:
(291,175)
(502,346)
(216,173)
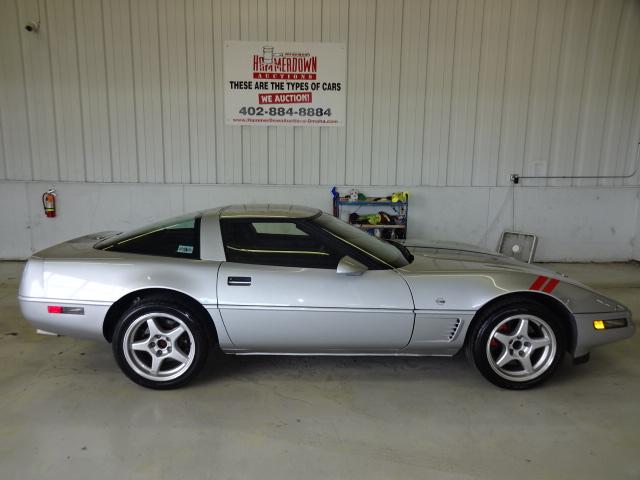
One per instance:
(87,325)
(587,337)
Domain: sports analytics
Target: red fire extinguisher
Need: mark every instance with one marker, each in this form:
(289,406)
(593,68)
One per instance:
(49,202)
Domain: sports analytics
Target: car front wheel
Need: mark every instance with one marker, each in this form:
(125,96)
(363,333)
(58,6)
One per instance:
(517,346)
(159,344)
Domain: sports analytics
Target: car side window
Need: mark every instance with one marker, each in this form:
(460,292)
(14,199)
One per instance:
(178,238)
(277,243)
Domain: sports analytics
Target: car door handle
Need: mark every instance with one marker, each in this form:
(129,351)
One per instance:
(239,281)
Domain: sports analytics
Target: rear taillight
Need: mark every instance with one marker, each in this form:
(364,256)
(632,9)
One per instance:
(66,310)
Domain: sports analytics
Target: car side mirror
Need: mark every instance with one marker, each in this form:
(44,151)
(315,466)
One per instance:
(349,266)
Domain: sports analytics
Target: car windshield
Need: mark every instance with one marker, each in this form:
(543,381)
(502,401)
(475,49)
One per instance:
(379,249)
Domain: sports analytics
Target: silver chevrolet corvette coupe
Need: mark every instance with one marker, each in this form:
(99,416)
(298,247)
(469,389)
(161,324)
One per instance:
(280,279)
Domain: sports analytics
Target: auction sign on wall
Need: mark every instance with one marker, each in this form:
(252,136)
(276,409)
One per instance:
(284,83)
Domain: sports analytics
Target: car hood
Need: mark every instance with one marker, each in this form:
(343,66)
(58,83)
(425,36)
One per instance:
(469,276)
(457,257)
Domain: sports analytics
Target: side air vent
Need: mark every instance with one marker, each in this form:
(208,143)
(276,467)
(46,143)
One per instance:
(453,331)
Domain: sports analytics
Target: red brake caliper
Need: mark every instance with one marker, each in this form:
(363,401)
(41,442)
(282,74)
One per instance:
(504,328)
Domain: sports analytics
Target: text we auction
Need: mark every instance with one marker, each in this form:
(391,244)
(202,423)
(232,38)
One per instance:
(284,84)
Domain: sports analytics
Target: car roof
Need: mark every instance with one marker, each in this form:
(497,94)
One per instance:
(268,211)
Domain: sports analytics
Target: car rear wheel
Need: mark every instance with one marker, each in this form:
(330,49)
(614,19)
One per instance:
(159,344)
(517,345)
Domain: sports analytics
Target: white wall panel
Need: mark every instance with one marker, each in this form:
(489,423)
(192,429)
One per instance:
(439,92)
(281,27)
(15,222)
(635,242)
(413,77)
(386,94)
(633,151)
(333,141)
(573,224)
(360,67)
(450,93)
(491,75)
(148,99)
(517,83)
(306,167)
(441,45)
(120,89)
(544,77)
(39,103)
(464,92)
(620,139)
(255,140)
(569,89)
(173,86)
(596,94)
(200,89)
(3,164)
(13,112)
(66,89)
(226,26)
(93,90)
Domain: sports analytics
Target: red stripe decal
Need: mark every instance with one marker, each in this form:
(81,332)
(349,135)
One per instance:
(538,282)
(551,284)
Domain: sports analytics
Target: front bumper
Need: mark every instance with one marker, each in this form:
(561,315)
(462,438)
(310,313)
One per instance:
(587,337)
(88,325)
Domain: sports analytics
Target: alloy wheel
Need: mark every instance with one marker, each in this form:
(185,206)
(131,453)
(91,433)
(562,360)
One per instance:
(159,346)
(521,348)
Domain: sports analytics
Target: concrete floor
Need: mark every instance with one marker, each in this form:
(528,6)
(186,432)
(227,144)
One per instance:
(66,411)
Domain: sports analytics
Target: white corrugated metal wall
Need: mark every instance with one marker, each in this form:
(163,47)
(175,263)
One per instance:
(440,92)
(118,104)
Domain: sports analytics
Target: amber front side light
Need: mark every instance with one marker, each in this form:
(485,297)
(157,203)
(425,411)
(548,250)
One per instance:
(598,324)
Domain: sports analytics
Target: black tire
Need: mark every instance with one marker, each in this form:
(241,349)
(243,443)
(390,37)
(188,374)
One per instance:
(133,333)
(497,337)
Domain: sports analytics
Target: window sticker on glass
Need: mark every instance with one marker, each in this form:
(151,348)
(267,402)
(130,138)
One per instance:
(185,249)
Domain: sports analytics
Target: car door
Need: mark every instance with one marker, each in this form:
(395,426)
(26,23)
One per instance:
(279,291)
